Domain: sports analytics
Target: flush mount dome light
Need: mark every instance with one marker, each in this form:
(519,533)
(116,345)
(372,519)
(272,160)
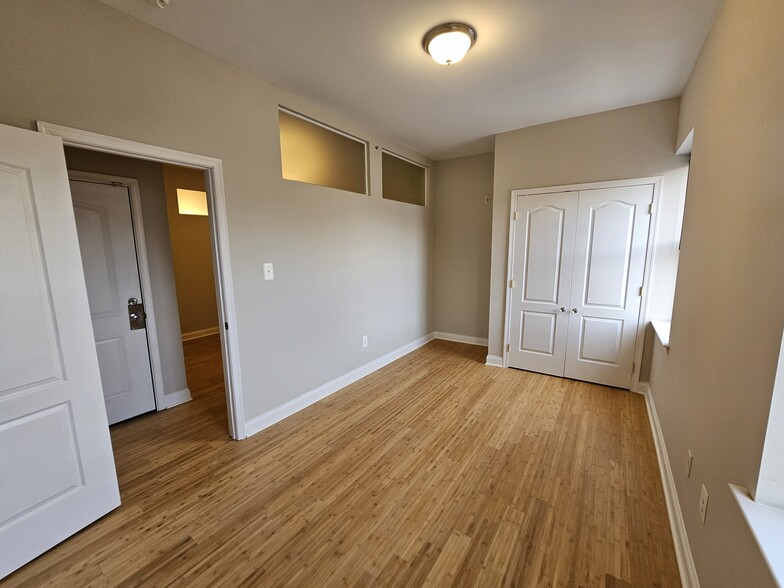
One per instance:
(449,42)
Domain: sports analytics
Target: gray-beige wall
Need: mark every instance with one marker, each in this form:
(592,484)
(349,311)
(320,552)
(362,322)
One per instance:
(346,265)
(620,144)
(159,254)
(463,225)
(713,391)
(191,252)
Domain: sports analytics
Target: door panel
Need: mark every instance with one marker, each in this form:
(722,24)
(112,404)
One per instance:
(55,452)
(541,269)
(609,264)
(610,231)
(108,250)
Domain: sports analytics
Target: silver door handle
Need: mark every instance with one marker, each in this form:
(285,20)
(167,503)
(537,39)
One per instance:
(562,309)
(574,310)
(134,317)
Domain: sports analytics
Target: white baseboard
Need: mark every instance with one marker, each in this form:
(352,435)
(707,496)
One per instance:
(461,338)
(495,361)
(680,539)
(200,333)
(279,413)
(174,398)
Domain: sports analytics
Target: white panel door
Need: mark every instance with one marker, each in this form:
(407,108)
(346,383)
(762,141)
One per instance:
(542,271)
(609,265)
(111,271)
(57,470)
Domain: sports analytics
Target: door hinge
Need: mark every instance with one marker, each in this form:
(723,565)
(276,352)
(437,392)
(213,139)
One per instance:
(651,208)
(642,290)
(226,325)
(507,346)
(514,215)
(512,284)
(117,184)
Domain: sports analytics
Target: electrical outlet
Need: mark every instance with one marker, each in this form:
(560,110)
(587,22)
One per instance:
(688,464)
(703,503)
(364,340)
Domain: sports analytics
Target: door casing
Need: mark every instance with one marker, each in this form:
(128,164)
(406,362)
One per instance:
(655,181)
(219,233)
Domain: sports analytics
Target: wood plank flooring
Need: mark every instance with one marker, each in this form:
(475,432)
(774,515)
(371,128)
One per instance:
(436,470)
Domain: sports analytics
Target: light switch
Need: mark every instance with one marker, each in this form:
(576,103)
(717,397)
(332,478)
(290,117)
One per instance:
(269,274)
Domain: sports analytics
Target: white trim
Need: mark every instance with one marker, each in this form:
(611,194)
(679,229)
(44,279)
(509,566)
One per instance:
(643,316)
(224,283)
(137,223)
(494,361)
(767,526)
(175,398)
(460,338)
(680,539)
(198,334)
(279,413)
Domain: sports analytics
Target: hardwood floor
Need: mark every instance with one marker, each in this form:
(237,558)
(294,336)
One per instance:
(436,470)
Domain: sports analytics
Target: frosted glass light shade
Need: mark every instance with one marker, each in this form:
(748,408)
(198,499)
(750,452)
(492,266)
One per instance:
(192,202)
(448,43)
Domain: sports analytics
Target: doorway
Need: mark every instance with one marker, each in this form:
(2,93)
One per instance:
(215,200)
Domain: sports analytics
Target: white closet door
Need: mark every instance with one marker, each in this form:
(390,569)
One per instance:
(542,270)
(609,264)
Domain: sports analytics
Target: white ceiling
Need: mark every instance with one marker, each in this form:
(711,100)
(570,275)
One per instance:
(534,61)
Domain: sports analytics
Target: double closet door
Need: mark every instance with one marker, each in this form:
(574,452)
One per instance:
(578,263)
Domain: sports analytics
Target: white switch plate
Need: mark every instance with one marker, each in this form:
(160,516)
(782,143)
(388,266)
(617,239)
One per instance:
(688,464)
(364,340)
(703,503)
(269,273)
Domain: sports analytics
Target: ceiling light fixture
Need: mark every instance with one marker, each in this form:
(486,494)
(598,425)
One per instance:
(449,42)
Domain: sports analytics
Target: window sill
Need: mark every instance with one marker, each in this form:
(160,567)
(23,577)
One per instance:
(662,330)
(767,526)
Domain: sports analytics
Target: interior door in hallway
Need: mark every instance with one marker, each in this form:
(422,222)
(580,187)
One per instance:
(108,250)
(56,464)
(542,275)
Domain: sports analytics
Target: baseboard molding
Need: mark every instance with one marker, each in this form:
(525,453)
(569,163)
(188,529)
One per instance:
(460,338)
(495,361)
(200,333)
(174,398)
(279,413)
(680,539)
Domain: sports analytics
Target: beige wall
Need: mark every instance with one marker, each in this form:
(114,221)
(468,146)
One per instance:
(626,143)
(346,264)
(713,391)
(191,253)
(463,227)
(159,253)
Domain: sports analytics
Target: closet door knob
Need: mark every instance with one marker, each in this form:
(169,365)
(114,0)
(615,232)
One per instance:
(562,309)
(574,310)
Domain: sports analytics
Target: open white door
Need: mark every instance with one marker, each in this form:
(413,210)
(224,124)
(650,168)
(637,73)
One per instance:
(57,470)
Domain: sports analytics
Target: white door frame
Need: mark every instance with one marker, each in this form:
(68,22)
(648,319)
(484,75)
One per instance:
(642,320)
(216,201)
(144,274)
